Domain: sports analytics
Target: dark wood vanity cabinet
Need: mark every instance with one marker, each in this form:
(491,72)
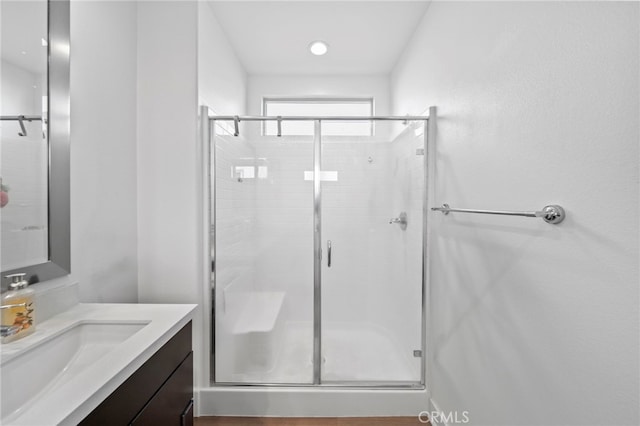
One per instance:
(160,392)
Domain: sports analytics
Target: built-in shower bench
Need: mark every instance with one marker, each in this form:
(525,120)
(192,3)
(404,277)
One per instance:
(260,312)
(257,329)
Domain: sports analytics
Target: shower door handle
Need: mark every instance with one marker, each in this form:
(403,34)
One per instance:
(329,253)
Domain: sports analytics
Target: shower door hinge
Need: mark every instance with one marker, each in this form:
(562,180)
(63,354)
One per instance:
(417,353)
(420,151)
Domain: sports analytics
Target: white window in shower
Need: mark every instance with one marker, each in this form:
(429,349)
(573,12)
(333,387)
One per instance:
(323,107)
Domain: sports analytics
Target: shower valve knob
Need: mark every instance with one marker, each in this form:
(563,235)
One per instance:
(401,220)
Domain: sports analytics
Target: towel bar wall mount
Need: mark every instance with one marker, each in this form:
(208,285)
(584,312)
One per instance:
(552,213)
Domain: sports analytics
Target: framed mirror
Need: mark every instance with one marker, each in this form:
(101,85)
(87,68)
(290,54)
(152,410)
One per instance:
(34,139)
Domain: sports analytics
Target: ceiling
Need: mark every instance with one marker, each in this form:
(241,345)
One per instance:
(364,37)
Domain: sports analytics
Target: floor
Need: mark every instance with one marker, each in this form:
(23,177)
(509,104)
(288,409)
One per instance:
(308,421)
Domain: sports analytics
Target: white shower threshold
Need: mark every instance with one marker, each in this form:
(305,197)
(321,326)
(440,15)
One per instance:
(309,402)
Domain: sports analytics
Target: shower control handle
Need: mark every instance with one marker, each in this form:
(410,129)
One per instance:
(400,220)
(329,253)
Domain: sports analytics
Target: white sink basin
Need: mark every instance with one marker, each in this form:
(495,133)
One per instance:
(44,367)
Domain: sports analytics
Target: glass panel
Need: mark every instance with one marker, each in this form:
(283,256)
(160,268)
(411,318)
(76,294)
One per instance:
(372,292)
(264,257)
(23,145)
(320,107)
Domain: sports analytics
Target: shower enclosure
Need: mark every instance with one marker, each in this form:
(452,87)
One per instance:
(318,241)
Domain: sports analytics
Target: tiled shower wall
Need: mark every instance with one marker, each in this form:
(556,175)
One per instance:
(375,277)
(356,212)
(284,210)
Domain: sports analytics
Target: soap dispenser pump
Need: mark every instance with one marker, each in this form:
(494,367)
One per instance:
(17,309)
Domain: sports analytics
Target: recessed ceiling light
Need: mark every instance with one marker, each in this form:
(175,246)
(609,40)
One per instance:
(318,48)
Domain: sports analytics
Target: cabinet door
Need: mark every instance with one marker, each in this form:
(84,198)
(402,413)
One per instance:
(172,400)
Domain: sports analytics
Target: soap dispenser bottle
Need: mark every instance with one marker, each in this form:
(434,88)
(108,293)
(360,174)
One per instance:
(17,308)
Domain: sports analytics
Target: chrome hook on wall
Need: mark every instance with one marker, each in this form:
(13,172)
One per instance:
(21,119)
(21,123)
(279,120)
(236,126)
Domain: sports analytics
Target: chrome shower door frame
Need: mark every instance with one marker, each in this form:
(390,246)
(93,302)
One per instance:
(207,134)
(317,253)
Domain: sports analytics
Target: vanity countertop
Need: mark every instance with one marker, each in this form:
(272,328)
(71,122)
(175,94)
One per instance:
(79,394)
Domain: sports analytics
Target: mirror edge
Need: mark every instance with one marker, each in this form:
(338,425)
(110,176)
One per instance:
(58,125)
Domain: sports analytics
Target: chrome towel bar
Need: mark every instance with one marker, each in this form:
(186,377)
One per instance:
(553,214)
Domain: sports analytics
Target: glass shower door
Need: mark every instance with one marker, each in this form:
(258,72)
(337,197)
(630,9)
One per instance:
(263,245)
(318,253)
(372,259)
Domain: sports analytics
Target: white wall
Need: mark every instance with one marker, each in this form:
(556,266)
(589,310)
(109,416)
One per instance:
(103,150)
(538,103)
(168,168)
(222,80)
(170,211)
